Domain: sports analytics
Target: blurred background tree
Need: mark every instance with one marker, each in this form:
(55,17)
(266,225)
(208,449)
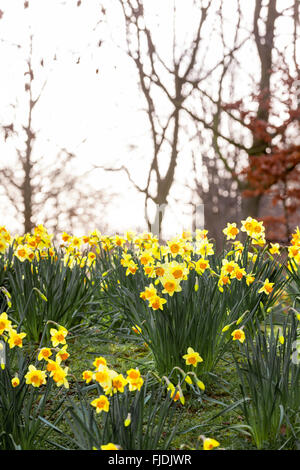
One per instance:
(248,135)
(47,187)
(217,84)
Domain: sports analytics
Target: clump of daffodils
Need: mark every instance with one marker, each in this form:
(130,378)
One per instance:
(38,245)
(9,334)
(111,382)
(5,239)
(169,265)
(52,359)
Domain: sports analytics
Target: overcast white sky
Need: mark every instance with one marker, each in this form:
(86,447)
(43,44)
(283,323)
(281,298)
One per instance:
(77,105)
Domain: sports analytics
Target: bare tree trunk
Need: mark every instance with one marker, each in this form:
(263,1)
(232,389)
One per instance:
(265,46)
(27,190)
(27,197)
(250,206)
(51,180)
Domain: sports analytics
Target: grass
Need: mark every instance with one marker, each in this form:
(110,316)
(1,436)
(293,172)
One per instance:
(198,413)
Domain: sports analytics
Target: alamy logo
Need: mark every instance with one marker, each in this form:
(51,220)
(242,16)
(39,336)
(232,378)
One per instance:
(2,354)
(296,352)
(195,221)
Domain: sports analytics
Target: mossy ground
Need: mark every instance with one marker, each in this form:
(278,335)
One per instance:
(122,353)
